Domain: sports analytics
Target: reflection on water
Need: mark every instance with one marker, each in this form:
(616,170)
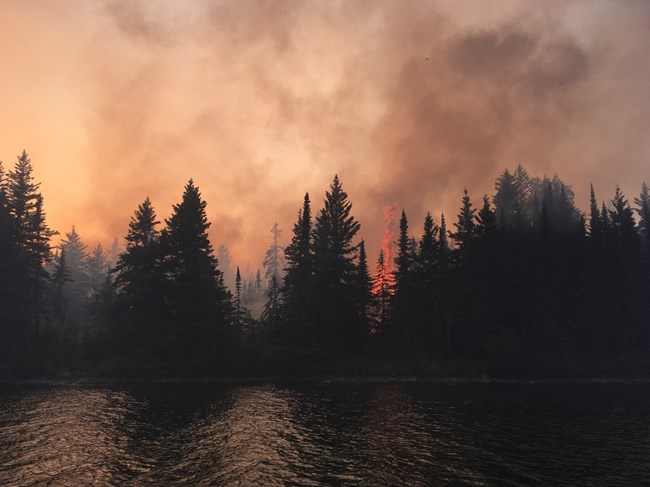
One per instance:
(417,434)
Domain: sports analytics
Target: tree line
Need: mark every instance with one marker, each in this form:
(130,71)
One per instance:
(524,283)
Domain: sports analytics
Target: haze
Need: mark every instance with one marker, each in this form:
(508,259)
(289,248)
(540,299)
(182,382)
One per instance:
(408,102)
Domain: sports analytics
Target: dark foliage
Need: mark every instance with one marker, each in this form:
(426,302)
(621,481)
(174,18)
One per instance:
(530,286)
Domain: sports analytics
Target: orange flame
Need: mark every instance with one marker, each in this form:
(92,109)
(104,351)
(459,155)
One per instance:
(388,242)
(384,277)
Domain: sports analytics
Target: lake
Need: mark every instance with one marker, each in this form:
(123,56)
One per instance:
(325,434)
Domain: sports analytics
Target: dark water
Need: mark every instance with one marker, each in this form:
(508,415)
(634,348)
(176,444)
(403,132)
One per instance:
(375,434)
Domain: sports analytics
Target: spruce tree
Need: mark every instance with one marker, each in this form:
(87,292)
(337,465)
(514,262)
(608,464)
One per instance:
(31,240)
(486,220)
(335,270)
(10,268)
(506,199)
(643,210)
(199,302)
(237,300)
(78,290)
(403,290)
(465,227)
(97,267)
(622,218)
(595,222)
(140,287)
(298,289)
(272,313)
(363,298)
(382,292)
(273,259)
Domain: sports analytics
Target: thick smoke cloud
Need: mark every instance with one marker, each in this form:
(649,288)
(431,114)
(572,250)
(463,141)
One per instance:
(260,101)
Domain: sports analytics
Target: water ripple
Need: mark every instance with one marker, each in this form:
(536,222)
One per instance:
(367,435)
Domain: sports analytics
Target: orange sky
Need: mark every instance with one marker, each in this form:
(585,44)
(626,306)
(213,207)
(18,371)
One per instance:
(261,101)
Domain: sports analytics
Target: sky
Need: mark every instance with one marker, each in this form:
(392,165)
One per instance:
(260,101)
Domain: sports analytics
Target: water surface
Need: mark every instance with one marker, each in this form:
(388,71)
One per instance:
(325,434)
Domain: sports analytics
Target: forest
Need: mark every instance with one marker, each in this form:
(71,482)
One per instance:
(518,284)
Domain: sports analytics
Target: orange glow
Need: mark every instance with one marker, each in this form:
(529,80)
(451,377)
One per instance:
(259,102)
(384,274)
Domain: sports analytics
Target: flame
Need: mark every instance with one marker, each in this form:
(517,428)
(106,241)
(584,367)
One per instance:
(384,276)
(388,242)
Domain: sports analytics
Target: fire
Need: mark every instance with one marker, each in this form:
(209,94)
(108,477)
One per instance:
(384,275)
(388,242)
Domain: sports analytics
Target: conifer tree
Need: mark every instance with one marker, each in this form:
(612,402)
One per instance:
(465,227)
(258,284)
(404,287)
(335,271)
(622,219)
(595,222)
(238,296)
(31,240)
(643,210)
(363,298)
(428,248)
(298,290)
(200,302)
(273,259)
(97,267)
(113,254)
(272,314)
(78,289)
(382,294)
(506,198)
(9,266)
(486,219)
(403,263)
(140,287)
(60,276)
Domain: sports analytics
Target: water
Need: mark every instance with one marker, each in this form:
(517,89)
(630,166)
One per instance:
(319,434)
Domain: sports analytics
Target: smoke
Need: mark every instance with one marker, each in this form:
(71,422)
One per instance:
(261,101)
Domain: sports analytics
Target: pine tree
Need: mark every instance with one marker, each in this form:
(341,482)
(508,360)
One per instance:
(78,289)
(258,284)
(643,210)
(382,292)
(200,302)
(298,289)
(428,248)
(113,254)
(441,286)
(524,189)
(443,241)
(465,227)
(595,222)
(140,287)
(272,313)
(31,240)
(506,199)
(404,287)
(486,219)
(334,270)
(97,267)
(237,300)
(273,259)
(622,218)
(403,262)
(10,267)
(363,293)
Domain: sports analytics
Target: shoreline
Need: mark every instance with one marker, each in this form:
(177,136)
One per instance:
(325,380)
